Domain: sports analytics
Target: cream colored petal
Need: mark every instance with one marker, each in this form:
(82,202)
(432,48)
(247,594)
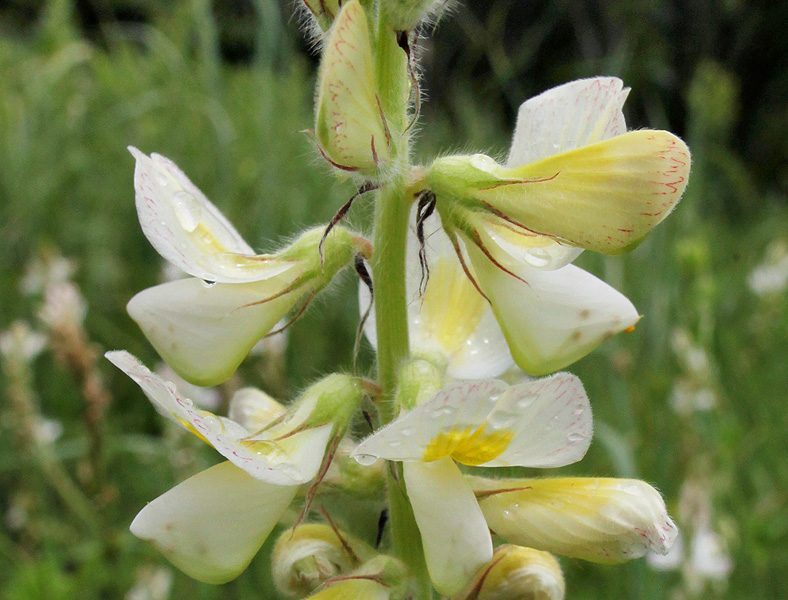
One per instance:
(567,117)
(205,332)
(456,408)
(513,247)
(451,324)
(211,525)
(604,197)
(293,460)
(348,117)
(557,317)
(550,419)
(518,573)
(596,519)
(253,409)
(354,589)
(456,539)
(189,231)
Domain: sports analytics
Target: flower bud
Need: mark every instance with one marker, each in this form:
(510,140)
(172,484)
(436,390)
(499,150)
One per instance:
(518,573)
(597,519)
(419,380)
(350,125)
(323,11)
(333,399)
(404,15)
(253,409)
(382,578)
(305,558)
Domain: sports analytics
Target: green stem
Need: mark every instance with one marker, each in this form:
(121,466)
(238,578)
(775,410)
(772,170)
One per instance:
(392,213)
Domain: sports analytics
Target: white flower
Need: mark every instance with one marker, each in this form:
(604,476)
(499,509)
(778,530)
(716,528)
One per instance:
(574,179)
(21,342)
(205,325)
(544,423)
(771,276)
(211,525)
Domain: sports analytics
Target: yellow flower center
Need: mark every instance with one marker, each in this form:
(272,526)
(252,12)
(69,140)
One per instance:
(469,446)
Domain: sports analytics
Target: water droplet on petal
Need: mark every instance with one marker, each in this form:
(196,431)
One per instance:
(407,431)
(213,424)
(161,179)
(443,411)
(187,210)
(208,284)
(171,386)
(526,401)
(578,411)
(188,402)
(502,420)
(576,436)
(537,257)
(365,459)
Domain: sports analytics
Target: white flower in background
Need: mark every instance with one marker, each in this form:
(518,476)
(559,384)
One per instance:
(153,583)
(211,525)
(204,326)
(574,179)
(45,271)
(701,553)
(47,431)
(544,423)
(19,340)
(770,278)
(64,307)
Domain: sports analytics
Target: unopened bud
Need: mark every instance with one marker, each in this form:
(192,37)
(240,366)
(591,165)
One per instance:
(419,380)
(253,409)
(517,573)
(350,125)
(333,399)
(305,558)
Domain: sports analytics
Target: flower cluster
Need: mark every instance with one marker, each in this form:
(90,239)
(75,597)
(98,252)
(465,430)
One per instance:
(474,308)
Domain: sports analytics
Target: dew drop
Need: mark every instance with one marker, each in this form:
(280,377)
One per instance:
(161,179)
(537,257)
(213,424)
(187,210)
(365,459)
(575,436)
(395,444)
(188,402)
(407,431)
(443,411)
(502,420)
(578,411)
(526,401)
(171,386)
(208,284)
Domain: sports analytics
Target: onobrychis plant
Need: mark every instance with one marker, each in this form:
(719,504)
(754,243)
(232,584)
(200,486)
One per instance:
(467,278)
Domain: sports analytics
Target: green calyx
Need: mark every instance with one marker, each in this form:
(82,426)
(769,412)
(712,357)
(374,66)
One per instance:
(333,399)
(419,380)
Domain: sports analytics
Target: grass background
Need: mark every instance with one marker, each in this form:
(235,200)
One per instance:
(225,88)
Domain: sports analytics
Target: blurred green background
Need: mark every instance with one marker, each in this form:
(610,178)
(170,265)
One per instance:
(698,393)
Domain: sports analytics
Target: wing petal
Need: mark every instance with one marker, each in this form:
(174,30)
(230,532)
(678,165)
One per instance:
(211,525)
